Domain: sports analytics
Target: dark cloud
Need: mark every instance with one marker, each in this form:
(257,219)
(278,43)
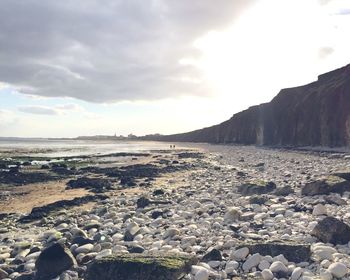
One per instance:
(109,50)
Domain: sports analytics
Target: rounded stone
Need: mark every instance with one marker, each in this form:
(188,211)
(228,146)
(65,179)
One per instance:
(319,210)
(267,274)
(251,262)
(338,269)
(87,248)
(297,272)
(240,254)
(278,266)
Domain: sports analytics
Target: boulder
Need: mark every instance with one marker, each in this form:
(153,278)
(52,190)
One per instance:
(332,230)
(256,187)
(331,184)
(53,261)
(139,267)
(345,174)
(291,251)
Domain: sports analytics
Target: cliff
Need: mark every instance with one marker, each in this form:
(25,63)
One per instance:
(317,114)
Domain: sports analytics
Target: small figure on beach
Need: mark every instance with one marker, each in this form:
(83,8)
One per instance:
(172,146)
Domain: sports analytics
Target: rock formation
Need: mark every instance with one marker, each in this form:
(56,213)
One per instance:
(316,114)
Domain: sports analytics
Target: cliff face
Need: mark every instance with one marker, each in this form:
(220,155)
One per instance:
(317,114)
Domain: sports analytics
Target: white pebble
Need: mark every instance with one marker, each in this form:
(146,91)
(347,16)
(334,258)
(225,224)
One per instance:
(338,269)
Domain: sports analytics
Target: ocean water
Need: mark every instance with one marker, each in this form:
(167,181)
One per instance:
(63,148)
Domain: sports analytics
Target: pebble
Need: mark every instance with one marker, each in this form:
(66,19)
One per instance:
(338,269)
(240,254)
(297,272)
(278,266)
(251,262)
(87,248)
(267,274)
(319,210)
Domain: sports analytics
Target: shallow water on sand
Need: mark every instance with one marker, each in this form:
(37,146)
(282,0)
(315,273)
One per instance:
(65,148)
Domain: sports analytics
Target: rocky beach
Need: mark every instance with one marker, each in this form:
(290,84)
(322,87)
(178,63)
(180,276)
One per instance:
(204,212)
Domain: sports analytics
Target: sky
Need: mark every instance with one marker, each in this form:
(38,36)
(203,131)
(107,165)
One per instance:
(88,67)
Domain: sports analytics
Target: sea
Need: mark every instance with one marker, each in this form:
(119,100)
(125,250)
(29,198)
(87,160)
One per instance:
(65,148)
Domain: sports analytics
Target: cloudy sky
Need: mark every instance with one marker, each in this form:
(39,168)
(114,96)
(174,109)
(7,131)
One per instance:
(85,67)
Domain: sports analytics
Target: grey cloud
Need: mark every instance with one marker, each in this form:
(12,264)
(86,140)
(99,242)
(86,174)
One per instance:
(46,110)
(324,2)
(38,110)
(111,50)
(69,107)
(325,52)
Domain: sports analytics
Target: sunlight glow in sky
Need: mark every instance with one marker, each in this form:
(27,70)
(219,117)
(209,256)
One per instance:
(192,71)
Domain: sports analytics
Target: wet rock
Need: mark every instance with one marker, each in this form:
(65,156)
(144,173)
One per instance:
(96,185)
(213,255)
(139,267)
(136,249)
(158,192)
(284,191)
(53,261)
(92,224)
(293,252)
(190,155)
(256,187)
(80,240)
(331,184)
(345,174)
(17,178)
(26,276)
(332,230)
(143,202)
(258,199)
(44,211)
(156,214)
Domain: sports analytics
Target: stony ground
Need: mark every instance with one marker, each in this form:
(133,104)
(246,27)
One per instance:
(239,210)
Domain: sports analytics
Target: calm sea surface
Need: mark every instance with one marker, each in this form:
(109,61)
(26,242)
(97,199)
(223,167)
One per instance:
(58,148)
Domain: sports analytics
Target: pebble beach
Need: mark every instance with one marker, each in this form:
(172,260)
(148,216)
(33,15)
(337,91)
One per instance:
(233,212)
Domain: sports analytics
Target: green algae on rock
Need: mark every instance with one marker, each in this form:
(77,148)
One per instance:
(140,267)
(331,184)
